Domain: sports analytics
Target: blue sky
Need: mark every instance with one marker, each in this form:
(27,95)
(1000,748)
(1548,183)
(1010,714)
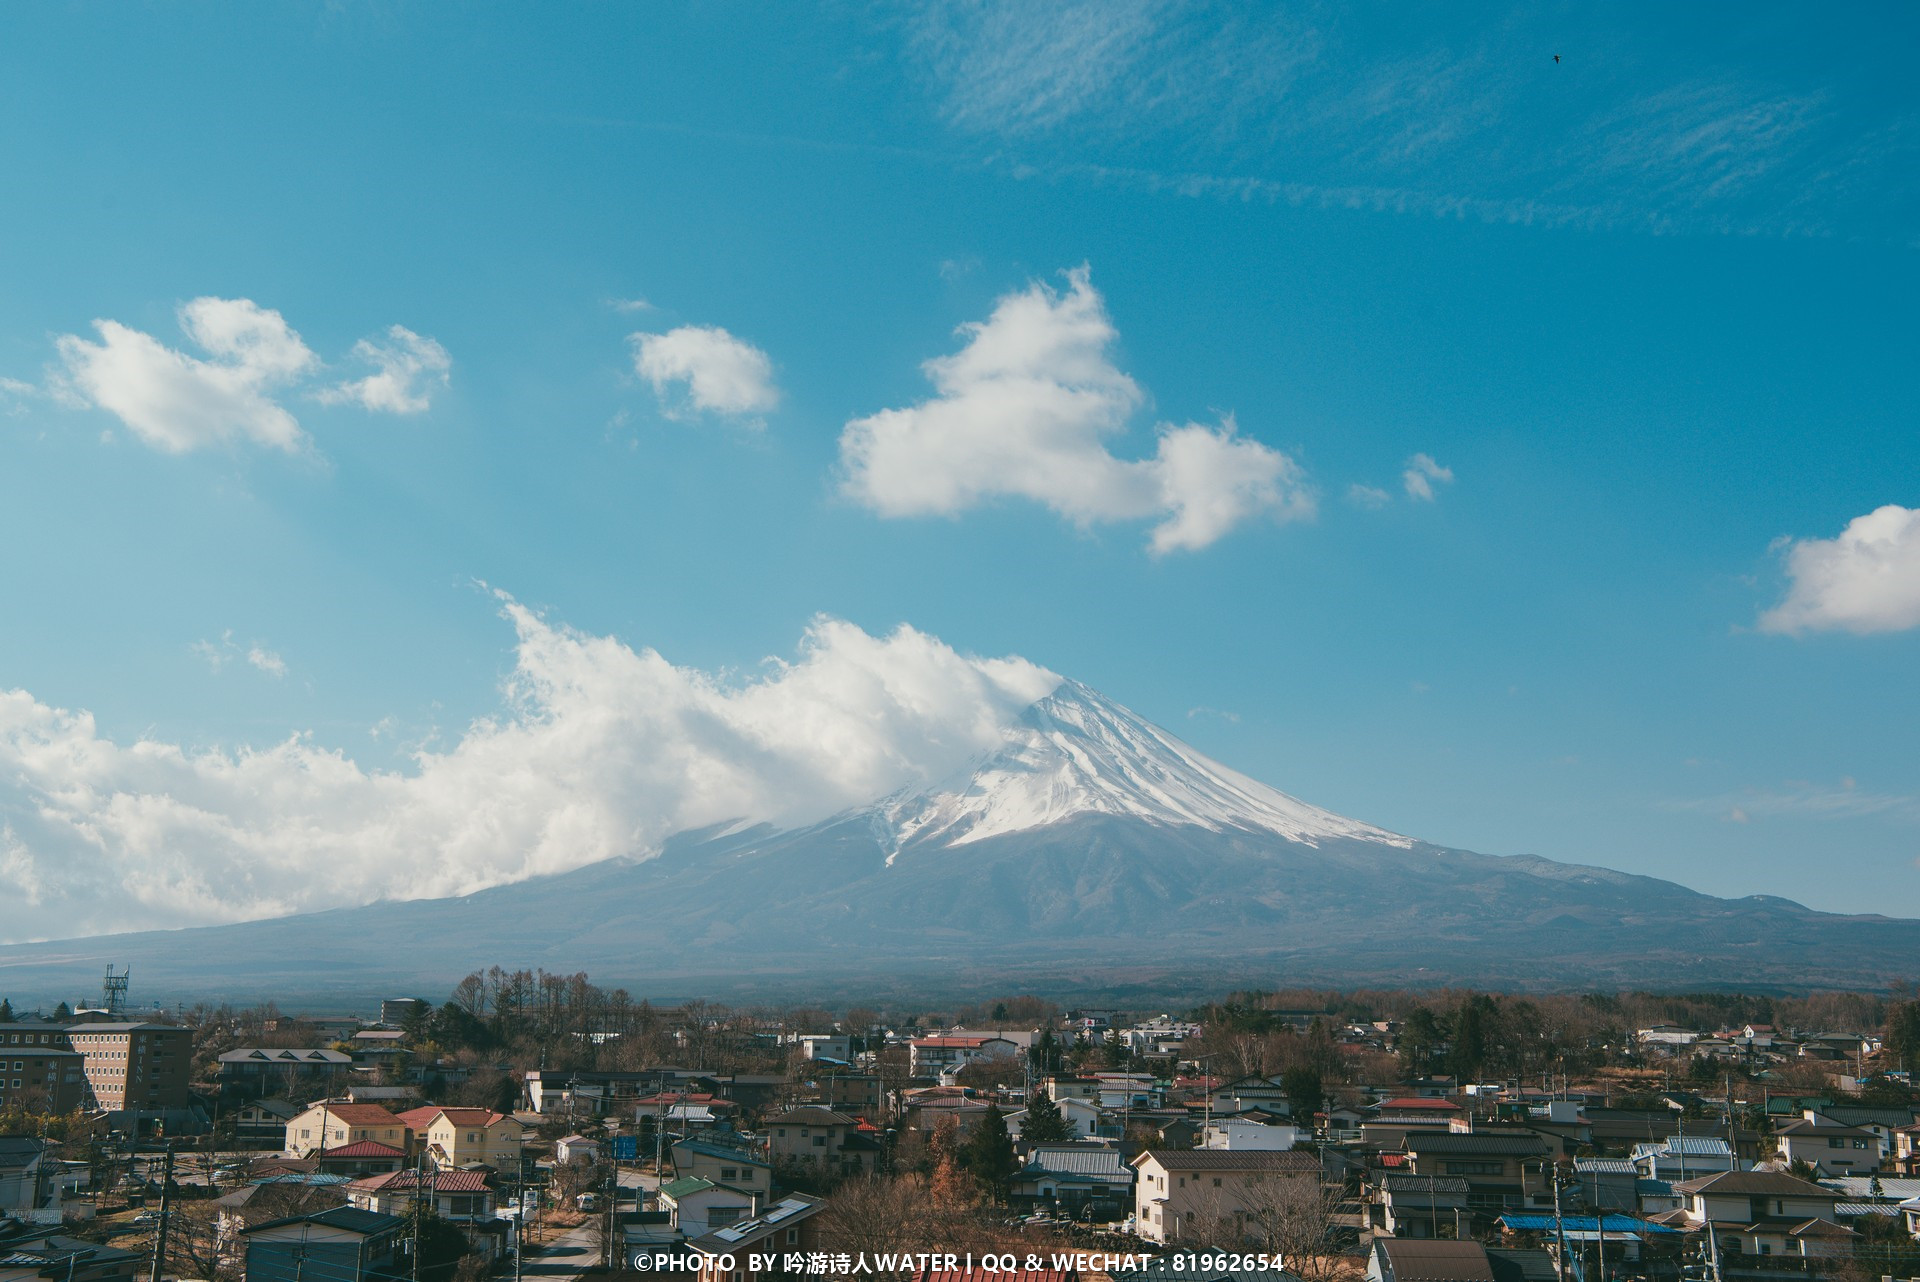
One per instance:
(1230,273)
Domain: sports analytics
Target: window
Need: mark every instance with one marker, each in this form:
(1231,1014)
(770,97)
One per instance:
(729,1173)
(819,1141)
(1216,1181)
(793,1237)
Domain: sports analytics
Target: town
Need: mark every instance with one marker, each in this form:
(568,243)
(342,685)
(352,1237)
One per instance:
(537,1124)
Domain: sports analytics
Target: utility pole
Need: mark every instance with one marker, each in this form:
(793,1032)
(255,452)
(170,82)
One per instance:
(419,1210)
(1559,1228)
(166,1210)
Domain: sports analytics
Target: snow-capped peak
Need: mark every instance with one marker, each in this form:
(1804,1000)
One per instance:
(1077,752)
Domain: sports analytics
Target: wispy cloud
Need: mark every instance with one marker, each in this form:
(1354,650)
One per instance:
(1421,475)
(1802,799)
(1315,107)
(220,651)
(407,370)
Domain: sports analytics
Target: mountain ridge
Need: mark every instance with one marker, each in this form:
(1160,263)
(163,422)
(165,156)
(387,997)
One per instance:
(1091,852)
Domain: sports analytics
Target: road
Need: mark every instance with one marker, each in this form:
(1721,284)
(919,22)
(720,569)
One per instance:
(573,1252)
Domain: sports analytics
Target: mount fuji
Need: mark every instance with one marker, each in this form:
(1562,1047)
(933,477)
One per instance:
(1091,852)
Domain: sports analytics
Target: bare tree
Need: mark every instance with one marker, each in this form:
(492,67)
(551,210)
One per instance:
(1298,1217)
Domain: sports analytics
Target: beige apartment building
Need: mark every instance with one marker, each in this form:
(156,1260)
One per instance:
(135,1066)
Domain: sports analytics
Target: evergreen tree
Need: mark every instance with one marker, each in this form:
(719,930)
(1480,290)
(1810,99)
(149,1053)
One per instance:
(1044,1123)
(1045,1054)
(1305,1092)
(1473,1029)
(989,1154)
(1902,1035)
(1420,1036)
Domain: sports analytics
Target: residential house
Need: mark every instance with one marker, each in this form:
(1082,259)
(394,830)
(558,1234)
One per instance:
(1684,1157)
(924,1110)
(262,1123)
(361,1158)
(789,1227)
(858,1093)
(1762,1214)
(1604,1184)
(258,1202)
(698,1206)
(1667,1038)
(822,1138)
(1077,1178)
(1396,1259)
(1906,1150)
(569,1149)
(1420,1206)
(1622,1236)
(344,1244)
(1251,1091)
(252,1071)
(335,1124)
(1494,1164)
(722,1164)
(45,1254)
(1203,1193)
(28,1189)
(1833,1150)
(930,1057)
(465,1197)
(454,1137)
(1883,1123)
(837,1047)
(1245,1133)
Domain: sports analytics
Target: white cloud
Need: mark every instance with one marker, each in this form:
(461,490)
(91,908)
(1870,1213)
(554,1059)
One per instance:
(176,402)
(1023,409)
(628,306)
(1371,497)
(716,372)
(1866,580)
(1422,475)
(408,369)
(599,750)
(267,661)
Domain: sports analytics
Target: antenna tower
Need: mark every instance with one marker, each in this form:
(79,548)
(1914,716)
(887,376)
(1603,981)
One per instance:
(113,991)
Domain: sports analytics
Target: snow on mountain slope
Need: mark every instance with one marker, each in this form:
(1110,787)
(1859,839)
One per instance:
(1077,752)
